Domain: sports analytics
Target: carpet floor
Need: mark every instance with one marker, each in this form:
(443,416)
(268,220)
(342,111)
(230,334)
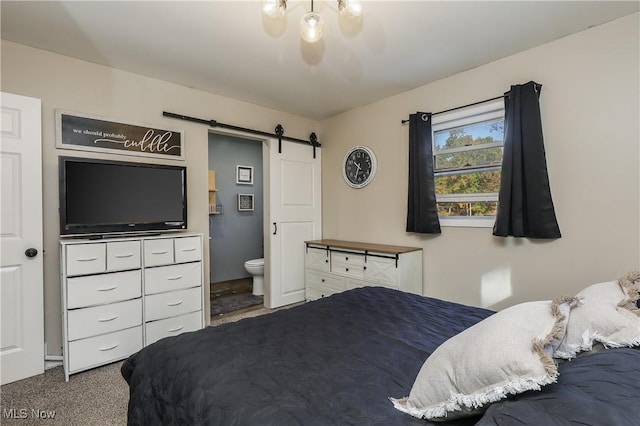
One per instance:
(96,397)
(226,304)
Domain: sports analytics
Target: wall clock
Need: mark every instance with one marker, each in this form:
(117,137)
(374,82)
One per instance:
(359,166)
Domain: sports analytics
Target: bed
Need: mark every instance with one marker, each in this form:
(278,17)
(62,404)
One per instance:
(337,360)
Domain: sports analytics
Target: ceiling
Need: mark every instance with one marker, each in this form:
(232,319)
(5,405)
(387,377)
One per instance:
(230,48)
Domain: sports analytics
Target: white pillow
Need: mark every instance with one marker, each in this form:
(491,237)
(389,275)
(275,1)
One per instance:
(507,353)
(608,315)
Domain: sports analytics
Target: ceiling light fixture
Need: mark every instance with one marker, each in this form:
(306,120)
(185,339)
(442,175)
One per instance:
(312,24)
(351,9)
(274,8)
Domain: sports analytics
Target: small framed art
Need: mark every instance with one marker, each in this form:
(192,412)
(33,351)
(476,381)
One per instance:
(245,202)
(244,175)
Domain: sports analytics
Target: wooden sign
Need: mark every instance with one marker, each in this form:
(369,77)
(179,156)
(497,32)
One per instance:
(91,133)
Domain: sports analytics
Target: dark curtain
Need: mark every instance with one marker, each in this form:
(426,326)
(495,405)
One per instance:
(525,207)
(422,213)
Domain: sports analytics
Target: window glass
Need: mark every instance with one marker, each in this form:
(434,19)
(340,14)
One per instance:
(467,151)
(478,208)
(469,183)
(471,135)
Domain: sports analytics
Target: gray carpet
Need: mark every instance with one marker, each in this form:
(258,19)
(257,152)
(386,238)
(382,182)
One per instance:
(96,397)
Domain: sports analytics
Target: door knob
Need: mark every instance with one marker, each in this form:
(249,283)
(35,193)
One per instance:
(31,252)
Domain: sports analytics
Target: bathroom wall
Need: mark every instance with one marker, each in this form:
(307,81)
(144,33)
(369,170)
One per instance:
(235,236)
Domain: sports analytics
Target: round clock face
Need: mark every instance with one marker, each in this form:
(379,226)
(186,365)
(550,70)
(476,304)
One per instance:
(359,166)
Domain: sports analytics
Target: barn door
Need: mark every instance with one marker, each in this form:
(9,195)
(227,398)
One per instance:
(294,216)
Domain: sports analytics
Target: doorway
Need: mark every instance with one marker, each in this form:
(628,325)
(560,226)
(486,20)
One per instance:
(236,221)
(290,203)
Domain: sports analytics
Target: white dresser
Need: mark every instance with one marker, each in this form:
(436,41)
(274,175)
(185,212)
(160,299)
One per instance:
(120,294)
(332,266)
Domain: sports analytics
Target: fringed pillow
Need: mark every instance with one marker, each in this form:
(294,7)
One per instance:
(609,314)
(507,353)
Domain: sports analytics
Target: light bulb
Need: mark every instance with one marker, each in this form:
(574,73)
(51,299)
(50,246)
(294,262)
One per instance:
(311,27)
(274,8)
(350,9)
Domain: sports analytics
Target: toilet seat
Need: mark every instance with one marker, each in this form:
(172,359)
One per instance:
(255,262)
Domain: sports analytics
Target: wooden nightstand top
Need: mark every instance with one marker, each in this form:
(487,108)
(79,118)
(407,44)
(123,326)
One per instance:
(353,245)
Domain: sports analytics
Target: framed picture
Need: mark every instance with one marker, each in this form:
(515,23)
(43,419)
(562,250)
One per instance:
(244,175)
(245,202)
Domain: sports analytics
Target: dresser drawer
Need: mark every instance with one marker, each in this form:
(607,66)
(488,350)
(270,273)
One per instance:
(348,264)
(94,351)
(313,293)
(172,277)
(325,281)
(86,259)
(123,255)
(164,305)
(187,249)
(103,319)
(101,289)
(158,252)
(353,259)
(317,259)
(160,329)
(350,270)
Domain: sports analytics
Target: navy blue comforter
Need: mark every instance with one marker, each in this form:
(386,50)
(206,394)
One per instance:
(336,361)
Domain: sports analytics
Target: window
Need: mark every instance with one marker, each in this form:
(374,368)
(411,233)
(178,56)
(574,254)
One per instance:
(467,154)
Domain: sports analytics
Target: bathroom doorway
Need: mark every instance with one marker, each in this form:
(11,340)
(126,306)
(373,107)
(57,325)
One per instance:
(236,221)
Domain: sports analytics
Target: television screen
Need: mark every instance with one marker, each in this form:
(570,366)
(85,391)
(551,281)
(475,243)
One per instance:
(103,196)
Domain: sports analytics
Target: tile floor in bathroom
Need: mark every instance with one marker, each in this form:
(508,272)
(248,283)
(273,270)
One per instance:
(229,289)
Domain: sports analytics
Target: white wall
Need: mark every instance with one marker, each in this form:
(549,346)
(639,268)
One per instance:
(590,117)
(590,110)
(79,86)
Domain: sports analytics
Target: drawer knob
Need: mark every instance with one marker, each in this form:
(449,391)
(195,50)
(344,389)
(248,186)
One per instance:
(346,258)
(347,269)
(113,287)
(323,280)
(173,330)
(174,303)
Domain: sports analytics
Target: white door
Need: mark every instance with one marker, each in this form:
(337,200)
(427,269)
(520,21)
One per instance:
(21,277)
(294,215)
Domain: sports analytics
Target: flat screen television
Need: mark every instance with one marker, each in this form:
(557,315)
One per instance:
(110,197)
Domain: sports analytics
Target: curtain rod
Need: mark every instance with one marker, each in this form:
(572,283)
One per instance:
(465,106)
(279,131)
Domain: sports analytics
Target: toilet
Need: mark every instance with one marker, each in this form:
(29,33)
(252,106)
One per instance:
(256,268)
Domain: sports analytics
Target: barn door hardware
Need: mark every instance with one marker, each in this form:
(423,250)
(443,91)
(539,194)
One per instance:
(279,131)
